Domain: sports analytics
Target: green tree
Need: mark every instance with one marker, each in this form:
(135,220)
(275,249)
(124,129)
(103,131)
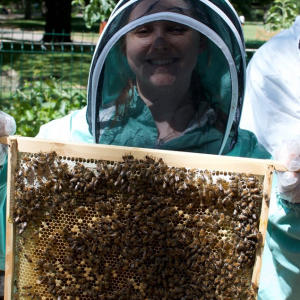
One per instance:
(282,14)
(252,9)
(95,10)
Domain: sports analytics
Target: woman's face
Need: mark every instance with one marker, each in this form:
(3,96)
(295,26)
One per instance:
(162,53)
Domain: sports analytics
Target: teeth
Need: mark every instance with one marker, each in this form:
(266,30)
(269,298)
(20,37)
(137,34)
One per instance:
(160,62)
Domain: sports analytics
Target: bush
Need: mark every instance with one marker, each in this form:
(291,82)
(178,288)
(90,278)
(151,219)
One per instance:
(282,14)
(45,101)
(96,11)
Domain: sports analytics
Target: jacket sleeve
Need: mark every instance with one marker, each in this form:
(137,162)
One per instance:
(70,128)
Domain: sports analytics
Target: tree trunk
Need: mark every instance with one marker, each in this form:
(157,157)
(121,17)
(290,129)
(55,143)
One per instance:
(27,6)
(58,21)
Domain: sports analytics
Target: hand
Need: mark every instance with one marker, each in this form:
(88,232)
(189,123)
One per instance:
(289,182)
(7,127)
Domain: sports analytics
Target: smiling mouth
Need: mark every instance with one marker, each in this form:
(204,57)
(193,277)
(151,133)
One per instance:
(162,62)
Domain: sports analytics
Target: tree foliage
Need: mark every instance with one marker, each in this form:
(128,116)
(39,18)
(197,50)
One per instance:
(99,10)
(282,14)
(46,101)
(96,10)
(251,9)
(277,13)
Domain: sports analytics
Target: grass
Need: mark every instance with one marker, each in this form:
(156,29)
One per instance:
(26,63)
(254,31)
(38,23)
(66,66)
(70,68)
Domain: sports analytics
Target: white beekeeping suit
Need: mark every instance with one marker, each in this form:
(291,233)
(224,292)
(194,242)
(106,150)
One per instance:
(7,127)
(272,101)
(272,111)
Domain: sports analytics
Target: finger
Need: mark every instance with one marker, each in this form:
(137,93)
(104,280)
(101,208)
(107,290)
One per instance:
(288,181)
(294,163)
(7,124)
(3,150)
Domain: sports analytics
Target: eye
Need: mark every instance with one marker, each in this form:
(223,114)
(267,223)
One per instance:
(143,30)
(177,29)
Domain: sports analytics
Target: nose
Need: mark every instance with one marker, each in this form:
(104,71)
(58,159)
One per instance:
(160,43)
(159,40)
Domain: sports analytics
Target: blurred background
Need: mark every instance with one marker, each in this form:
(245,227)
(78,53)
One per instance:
(46,47)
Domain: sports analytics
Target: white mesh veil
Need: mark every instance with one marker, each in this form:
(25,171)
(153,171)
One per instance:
(220,69)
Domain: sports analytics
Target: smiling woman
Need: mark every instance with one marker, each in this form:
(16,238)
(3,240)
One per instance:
(180,66)
(163,56)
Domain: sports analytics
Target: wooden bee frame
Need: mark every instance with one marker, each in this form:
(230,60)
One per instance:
(260,167)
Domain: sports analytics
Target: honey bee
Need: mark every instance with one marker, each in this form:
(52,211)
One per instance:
(164,224)
(28,258)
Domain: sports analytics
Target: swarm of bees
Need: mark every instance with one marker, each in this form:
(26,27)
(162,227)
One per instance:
(136,229)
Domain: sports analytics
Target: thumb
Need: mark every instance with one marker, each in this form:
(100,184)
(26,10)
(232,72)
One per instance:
(289,154)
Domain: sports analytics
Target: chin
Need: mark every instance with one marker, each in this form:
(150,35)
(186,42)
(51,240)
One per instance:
(163,80)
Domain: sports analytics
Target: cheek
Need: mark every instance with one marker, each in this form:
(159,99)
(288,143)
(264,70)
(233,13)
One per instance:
(135,51)
(191,48)
(130,55)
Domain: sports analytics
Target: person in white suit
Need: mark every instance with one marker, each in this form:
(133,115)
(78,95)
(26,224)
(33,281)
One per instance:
(272,111)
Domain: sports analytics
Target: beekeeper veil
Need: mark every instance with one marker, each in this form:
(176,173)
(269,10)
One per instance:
(216,83)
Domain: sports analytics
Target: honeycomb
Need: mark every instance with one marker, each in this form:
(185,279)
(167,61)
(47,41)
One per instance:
(135,229)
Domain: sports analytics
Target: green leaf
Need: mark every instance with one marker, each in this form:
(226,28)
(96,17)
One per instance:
(96,11)
(282,14)
(36,105)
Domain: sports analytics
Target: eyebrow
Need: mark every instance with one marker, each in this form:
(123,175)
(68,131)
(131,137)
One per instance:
(175,8)
(178,9)
(151,6)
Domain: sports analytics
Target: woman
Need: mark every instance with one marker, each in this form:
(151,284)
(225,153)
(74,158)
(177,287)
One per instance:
(165,74)
(199,106)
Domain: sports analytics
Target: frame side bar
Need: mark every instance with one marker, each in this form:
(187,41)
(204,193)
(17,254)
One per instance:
(263,222)
(10,228)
